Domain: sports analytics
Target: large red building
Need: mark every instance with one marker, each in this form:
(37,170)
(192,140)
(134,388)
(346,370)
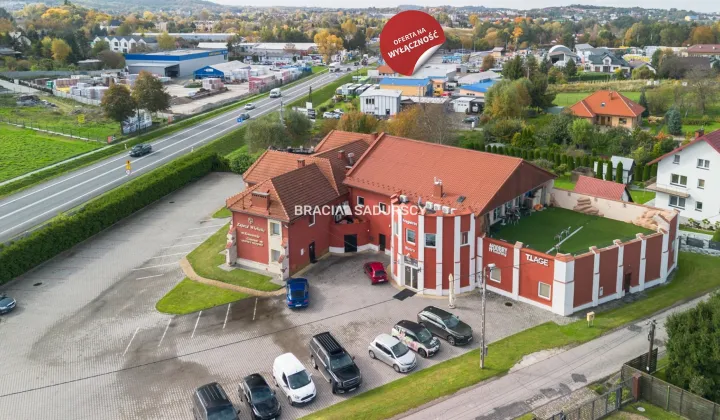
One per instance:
(427,206)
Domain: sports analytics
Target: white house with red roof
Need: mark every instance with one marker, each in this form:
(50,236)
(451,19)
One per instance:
(688,178)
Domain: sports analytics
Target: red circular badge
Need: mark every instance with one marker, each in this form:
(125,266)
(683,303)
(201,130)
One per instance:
(409,39)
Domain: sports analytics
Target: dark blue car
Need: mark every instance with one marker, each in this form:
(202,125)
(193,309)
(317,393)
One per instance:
(7,304)
(298,293)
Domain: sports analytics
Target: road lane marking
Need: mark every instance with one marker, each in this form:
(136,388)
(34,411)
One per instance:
(169,255)
(255,309)
(196,324)
(131,340)
(153,266)
(177,246)
(149,277)
(206,227)
(226,315)
(165,332)
(193,236)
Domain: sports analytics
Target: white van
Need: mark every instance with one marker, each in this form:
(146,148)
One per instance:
(275,93)
(293,379)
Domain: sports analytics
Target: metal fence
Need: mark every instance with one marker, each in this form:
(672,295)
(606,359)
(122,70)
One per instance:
(601,406)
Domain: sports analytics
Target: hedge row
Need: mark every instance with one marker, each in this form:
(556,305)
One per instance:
(67,230)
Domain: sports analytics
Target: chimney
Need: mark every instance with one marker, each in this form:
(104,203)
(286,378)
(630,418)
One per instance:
(438,189)
(374,135)
(301,163)
(351,158)
(699,133)
(347,168)
(341,155)
(260,199)
(611,95)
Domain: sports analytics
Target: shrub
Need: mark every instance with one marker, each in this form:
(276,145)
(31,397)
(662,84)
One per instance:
(716,236)
(240,162)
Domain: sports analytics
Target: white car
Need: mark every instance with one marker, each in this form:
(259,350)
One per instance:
(293,379)
(339,111)
(330,115)
(249,106)
(392,352)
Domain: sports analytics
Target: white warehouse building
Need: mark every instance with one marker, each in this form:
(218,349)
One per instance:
(380,102)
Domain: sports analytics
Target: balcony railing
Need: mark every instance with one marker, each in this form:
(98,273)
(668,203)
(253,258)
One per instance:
(668,189)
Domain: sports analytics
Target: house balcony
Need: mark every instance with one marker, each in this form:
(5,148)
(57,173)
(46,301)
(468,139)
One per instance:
(668,189)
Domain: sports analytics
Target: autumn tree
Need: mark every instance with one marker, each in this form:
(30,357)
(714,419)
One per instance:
(118,104)
(149,93)
(358,122)
(703,87)
(507,99)
(327,44)
(488,62)
(166,41)
(349,28)
(111,59)
(702,35)
(427,122)
(60,50)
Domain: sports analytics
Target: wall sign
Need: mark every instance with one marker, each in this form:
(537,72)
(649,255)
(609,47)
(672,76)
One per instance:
(251,226)
(537,260)
(409,222)
(251,238)
(408,249)
(499,250)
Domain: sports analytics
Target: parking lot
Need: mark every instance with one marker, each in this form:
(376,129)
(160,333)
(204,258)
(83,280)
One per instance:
(88,343)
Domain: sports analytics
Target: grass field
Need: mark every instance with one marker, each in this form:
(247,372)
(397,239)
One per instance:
(25,150)
(571,98)
(222,213)
(651,412)
(189,296)
(538,231)
(642,197)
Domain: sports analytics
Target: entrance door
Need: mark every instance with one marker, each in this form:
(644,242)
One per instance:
(626,282)
(382,242)
(350,243)
(311,252)
(411,277)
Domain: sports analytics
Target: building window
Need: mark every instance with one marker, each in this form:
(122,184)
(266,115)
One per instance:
(676,159)
(464,238)
(360,201)
(430,240)
(311,220)
(698,206)
(495,274)
(544,290)
(676,201)
(410,236)
(274,229)
(680,180)
(369,101)
(274,255)
(703,164)
(623,121)
(701,184)
(383,208)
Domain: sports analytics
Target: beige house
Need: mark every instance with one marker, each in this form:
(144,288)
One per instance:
(609,108)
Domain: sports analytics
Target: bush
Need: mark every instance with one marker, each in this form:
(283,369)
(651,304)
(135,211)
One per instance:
(67,230)
(716,236)
(240,162)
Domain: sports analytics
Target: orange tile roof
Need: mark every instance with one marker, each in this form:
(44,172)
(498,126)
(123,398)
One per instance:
(600,188)
(396,165)
(337,138)
(356,148)
(274,162)
(607,102)
(713,139)
(385,69)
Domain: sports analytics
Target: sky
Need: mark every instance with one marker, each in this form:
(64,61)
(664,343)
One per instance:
(696,5)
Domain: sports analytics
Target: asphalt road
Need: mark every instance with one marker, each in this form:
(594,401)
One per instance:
(22,211)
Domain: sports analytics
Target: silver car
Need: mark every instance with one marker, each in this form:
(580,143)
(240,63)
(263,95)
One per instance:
(392,352)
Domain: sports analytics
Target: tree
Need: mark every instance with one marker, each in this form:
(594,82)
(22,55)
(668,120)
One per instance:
(646,173)
(673,122)
(702,35)
(124,30)
(264,132)
(60,50)
(619,173)
(298,127)
(637,173)
(570,69)
(488,62)
(166,41)
(111,59)
(539,96)
(599,170)
(643,102)
(642,73)
(358,122)
(619,74)
(513,68)
(327,44)
(427,122)
(149,93)
(507,99)
(99,47)
(118,104)
(581,132)
(349,29)
(703,87)
(609,171)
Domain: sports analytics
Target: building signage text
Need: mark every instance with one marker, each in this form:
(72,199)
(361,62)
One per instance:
(251,238)
(257,228)
(408,249)
(536,259)
(499,250)
(409,222)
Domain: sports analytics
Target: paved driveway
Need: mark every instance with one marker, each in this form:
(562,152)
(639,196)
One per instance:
(87,342)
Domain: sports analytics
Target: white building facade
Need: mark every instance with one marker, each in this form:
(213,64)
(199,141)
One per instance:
(380,102)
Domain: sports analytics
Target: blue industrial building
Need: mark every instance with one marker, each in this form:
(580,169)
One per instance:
(178,63)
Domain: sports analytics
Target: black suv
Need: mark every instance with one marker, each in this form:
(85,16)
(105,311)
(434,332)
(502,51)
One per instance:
(344,374)
(210,402)
(140,150)
(260,397)
(445,325)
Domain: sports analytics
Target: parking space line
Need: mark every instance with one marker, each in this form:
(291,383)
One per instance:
(255,309)
(226,315)
(131,340)
(165,332)
(153,266)
(193,236)
(205,227)
(177,246)
(149,277)
(196,324)
(169,255)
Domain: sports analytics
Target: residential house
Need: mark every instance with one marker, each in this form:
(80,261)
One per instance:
(704,50)
(559,55)
(385,70)
(126,44)
(606,63)
(498,52)
(688,178)
(609,108)
(380,102)
(408,86)
(636,64)
(602,188)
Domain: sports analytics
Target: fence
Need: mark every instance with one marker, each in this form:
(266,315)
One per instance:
(601,406)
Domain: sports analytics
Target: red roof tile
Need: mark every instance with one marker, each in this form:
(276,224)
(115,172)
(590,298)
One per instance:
(704,49)
(273,163)
(713,139)
(607,102)
(336,139)
(599,188)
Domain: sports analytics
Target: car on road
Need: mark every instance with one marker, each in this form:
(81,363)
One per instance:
(249,106)
(210,402)
(292,378)
(418,338)
(298,293)
(140,150)
(375,272)
(392,352)
(258,395)
(445,325)
(275,93)
(244,116)
(330,115)
(7,304)
(328,354)
(470,120)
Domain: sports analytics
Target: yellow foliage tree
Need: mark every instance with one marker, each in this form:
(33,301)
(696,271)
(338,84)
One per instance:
(517,33)
(328,44)
(349,28)
(60,50)
(166,41)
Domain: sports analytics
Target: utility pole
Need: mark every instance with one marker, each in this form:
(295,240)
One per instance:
(451,291)
(651,339)
(282,120)
(309,93)
(483,277)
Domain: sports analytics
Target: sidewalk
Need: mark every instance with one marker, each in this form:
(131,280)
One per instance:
(551,376)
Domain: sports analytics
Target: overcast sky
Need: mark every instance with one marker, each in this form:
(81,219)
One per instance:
(697,5)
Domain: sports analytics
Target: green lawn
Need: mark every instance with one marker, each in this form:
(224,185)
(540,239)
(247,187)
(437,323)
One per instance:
(190,296)
(25,150)
(571,98)
(652,412)
(538,230)
(696,275)
(696,230)
(222,213)
(207,257)
(709,127)
(565,183)
(642,197)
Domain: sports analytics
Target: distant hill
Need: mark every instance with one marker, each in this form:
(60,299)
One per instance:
(138,5)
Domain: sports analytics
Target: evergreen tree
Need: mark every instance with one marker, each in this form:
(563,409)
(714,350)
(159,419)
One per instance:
(653,170)
(557,159)
(646,173)
(644,104)
(637,173)
(673,121)
(599,171)
(564,159)
(586,162)
(570,69)
(619,173)
(494,149)
(609,171)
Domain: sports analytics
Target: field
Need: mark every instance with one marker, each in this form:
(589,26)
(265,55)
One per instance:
(25,150)
(63,119)
(538,231)
(571,98)
(189,296)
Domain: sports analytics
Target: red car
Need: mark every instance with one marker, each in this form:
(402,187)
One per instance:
(376,272)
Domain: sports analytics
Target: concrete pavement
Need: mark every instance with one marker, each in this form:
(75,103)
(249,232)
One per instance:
(26,209)
(545,376)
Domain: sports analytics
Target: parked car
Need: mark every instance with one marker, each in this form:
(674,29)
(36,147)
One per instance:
(470,120)
(258,395)
(328,354)
(7,304)
(445,325)
(330,115)
(249,106)
(210,402)
(339,112)
(244,116)
(140,150)
(418,338)
(292,378)
(298,293)
(392,352)
(376,272)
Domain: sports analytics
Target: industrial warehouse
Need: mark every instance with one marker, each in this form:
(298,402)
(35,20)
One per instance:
(448,217)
